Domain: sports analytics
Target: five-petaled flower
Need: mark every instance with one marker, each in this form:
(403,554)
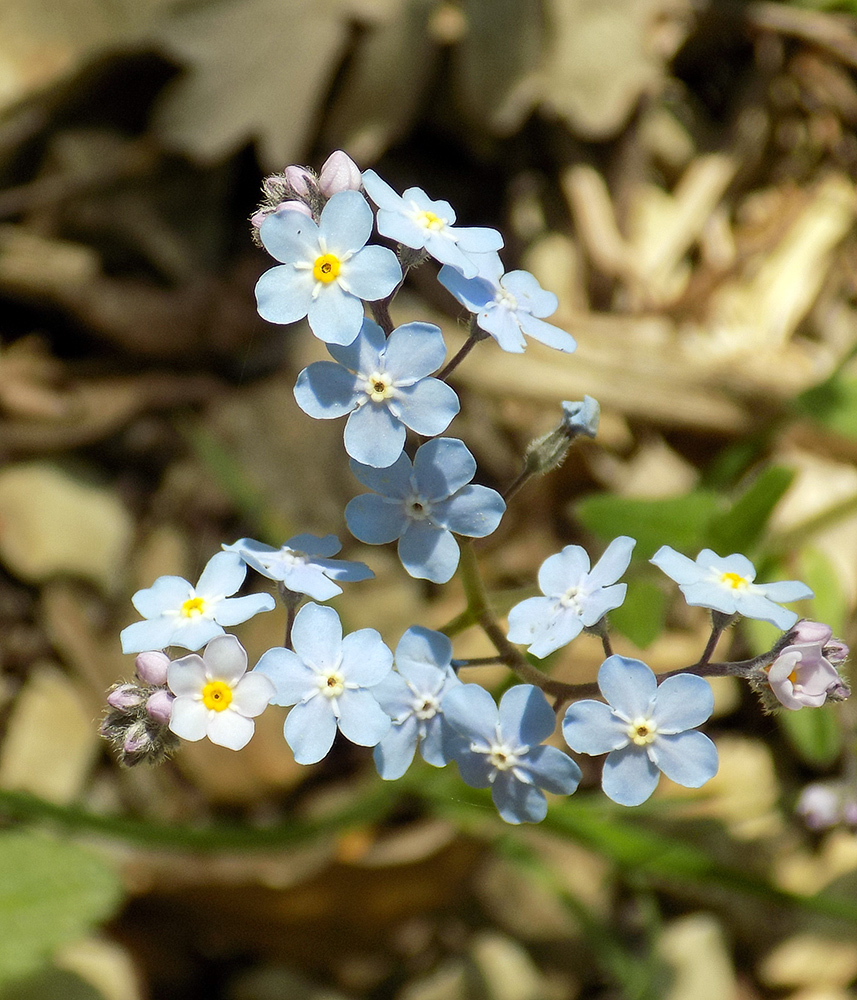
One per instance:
(327,270)
(412,695)
(644,729)
(416,221)
(725,584)
(575,596)
(422,504)
(507,306)
(215,696)
(303,564)
(328,679)
(384,385)
(804,675)
(501,749)
(181,615)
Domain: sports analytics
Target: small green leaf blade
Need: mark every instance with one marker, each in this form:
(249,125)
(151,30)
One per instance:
(740,528)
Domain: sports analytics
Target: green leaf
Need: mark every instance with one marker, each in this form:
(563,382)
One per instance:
(49,983)
(641,616)
(830,604)
(740,528)
(681,522)
(833,404)
(51,891)
(814,733)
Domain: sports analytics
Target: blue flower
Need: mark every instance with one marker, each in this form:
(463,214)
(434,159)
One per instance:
(303,564)
(326,269)
(416,221)
(181,615)
(507,305)
(726,585)
(422,505)
(575,597)
(412,697)
(501,749)
(383,384)
(581,417)
(644,729)
(328,679)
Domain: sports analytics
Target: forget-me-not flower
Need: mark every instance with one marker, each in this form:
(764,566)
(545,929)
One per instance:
(804,674)
(644,729)
(328,679)
(501,749)
(181,615)
(507,305)
(422,505)
(575,596)
(303,564)
(412,695)
(416,221)
(384,384)
(215,696)
(327,270)
(726,584)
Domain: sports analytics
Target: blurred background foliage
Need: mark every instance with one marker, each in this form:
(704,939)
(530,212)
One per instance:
(682,173)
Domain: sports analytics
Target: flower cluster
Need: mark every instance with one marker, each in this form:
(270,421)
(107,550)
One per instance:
(390,383)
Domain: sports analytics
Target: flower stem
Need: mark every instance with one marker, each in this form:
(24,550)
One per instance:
(473,339)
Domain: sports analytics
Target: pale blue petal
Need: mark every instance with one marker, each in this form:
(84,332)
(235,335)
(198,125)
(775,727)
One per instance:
(613,563)
(526,719)
(591,727)
(786,591)
(414,351)
(309,730)
(629,777)
(380,191)
(346,222)
(683,701)
(530,618)
(736,563)
(283,295)
(366,660)
(167,593)
(374,436)
(473,768)
(393,755)
(314,545)
(347,570)
(552,770)
(394,481)
(192,633)
(444,248)
(518,802)
(756,606)
(154,633)
(427,407)
(428,553)
(394,696)
(547,333)
(223,575)
(434,748)
(530,293)
(290,236)
(557,631)
(235,610)
(478,239)
(689,759)
(317,636)
(474,511)
(473,293)
(596,605)
(401,229)
(504,327)
(443,466)
(362,354)
(564,570)
(414,196)
(292,679)
(420,647)
(230,730)
(361,718)
(373,520)
(325,390)
(310,580)
(189,719)
(710,595)
(471,711)
(335,316)
(373,273)
(676,566)
(628,685)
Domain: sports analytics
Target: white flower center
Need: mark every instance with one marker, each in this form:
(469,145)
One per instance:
(425,707)
(570,599)
(417,508)
(642,731)
(378,387)
(331,683)
(505,299)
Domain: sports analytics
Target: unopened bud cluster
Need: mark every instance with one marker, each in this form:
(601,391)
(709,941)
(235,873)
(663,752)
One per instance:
(138,717)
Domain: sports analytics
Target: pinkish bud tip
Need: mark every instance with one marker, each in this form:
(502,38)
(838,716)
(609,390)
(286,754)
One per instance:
(160,706)
(293,206)
(124,697)
(151,667)
(339,173)
(300,179)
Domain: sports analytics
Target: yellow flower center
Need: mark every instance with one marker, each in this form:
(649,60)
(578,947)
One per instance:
(193,607)
(332,684)
(429,220)
(326,268)
(378,387)
(216,695)
(642,731)
(733,580)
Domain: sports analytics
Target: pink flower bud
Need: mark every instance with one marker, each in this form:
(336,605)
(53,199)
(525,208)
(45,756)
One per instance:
(258,218)
(136,739)
(301,181)
(151,667)
(820,805)
(801,677)
(339,173)
(836,652)
(160,706)
(810,631)
(293,206)
(125,697)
